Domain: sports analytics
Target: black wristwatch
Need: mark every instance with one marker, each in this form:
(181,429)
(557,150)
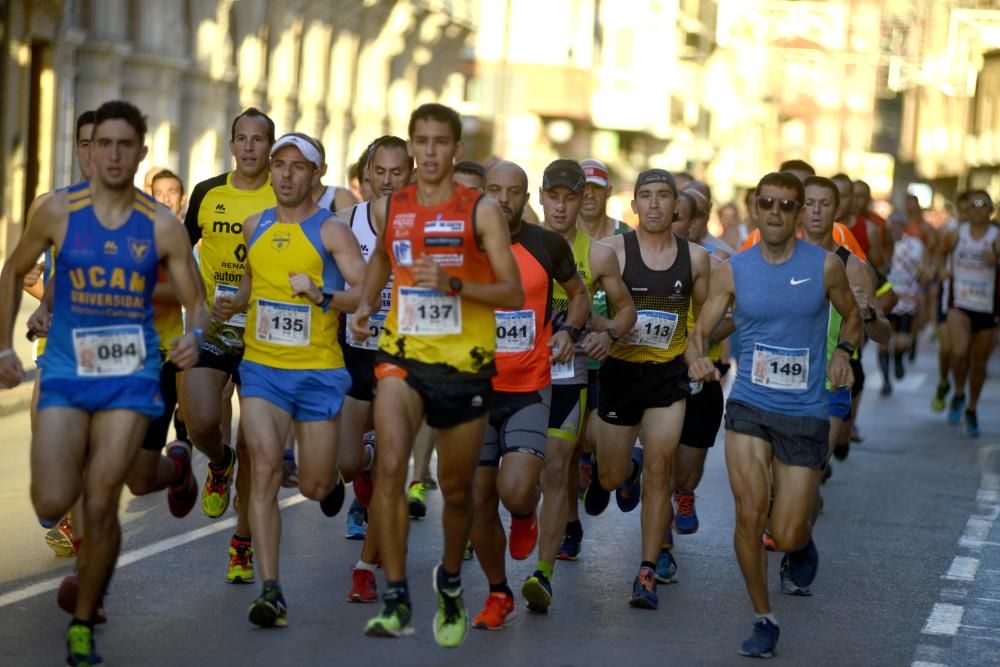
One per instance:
(873,316)
(612,334)
(455,285)
(846,347)
(574,332)
(325,301)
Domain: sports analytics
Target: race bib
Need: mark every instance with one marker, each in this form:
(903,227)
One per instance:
(109,351)
(974,291)
(283,323)
(654,328)
(562,370)
(376,323)
(515,330)
(239,319)
(780,367)
(427,312)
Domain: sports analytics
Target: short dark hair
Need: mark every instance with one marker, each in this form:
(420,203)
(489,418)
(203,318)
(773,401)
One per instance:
(783,179)
(797,165)
(121,110)
(841,177)
(867,187)
(823,182)
(166,173)
(689,198)
(440,113)
(963,196)
(387,141)
(254,112)
(469,167)
(86,118)
(983,193)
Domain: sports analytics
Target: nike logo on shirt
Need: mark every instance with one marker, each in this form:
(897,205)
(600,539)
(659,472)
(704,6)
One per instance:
(799,282)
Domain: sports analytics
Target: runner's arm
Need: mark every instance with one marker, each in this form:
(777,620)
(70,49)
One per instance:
(607,273)
(701,270)
(943,250)
(376,275)
(344,199)
(183,275)
(861,278)
(838,290)
(875,255)
(721,291)
(343,245)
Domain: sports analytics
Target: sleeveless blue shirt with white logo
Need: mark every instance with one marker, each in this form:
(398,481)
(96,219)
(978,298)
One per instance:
(781,313)
(102,312)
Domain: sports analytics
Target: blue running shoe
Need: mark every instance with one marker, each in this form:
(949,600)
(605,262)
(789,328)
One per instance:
(798,570)
(955,409)
(971,424)
(685,516)
(628,494)
(537,590)
(356,522)
(763,640)
(595,498)
(644,590)
(666,567)
(570,547)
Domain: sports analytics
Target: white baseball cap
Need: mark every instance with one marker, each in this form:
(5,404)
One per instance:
(306,146)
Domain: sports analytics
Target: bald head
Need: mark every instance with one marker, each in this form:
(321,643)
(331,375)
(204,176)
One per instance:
(507,184)
(506,170)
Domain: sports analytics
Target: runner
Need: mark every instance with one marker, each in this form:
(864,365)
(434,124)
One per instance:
(866,232)
(563,183)
(971,251)
(293,372)
(776,417)
(101,367)
(942,275)
(435,354)
(861,205)
(217,211)
(527,343)
(698,228)
(644,381)
(909,273)
(470,174)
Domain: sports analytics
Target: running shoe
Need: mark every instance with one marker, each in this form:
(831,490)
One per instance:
(798,570)
(415,500)
(289,470)
(334,501)
(523,536)
(240,562)
(955,409)
(586,472)
(69,590)
(469,551)
(537,590)
(498,609)
(629,493)
(269,610)
(60,538)
(182,496)
(595,497)
(644,590)
(363,587)
(855,433)
(570,547)
(450,621)
(763,640)
(842,450)
(768,541)
(938,402)
(685,516)
(356,522)
(666,567)
(215,495)
(971,424)
(364,487)
(429,483)
(393,620)
(886,389)
(899,368)
(80,648)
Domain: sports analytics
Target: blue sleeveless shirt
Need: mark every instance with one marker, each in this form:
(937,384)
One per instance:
(102,312)
(781,313)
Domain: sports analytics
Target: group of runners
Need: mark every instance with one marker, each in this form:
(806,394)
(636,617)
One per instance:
(537,359)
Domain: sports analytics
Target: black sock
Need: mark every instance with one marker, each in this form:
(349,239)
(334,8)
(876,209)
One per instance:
(502,587)
(446,581)
(646,563)
(272,584)
(237,538)
(396,591)
(521,516)
(574,529)
(227,458)
(898,358)
(883,364)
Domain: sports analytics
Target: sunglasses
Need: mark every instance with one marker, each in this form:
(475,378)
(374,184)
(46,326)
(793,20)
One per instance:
(980,203)
(786,205)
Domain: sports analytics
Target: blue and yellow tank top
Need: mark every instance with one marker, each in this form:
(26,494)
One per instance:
(102,313)
(285,331)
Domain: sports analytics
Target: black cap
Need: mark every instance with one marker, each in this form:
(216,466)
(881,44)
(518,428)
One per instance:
(654,176)
(565,173)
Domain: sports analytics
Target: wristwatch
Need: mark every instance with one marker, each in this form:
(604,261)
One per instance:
(871,317)
(612,334)
(574,332)
(455,285)
(846,347)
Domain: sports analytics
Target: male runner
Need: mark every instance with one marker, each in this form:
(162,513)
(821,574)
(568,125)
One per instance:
(593,219)
(100,384)
(865,231)
(644,380)
(215,216)
(168,189)
(941,306)
(776,418)
(527,341)
(293,376)
(470,174)
(449,252)
(909,274)
(861,205)
(698,227)
(971,251)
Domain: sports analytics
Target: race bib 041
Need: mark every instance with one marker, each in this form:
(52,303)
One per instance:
(427,312)
(283,323)
(109,351)
(515,330)
(780,367)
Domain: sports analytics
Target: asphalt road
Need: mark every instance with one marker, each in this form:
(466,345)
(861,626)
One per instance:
(909,572)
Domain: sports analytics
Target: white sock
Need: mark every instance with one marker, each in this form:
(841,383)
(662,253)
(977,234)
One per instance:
(361,565)
(768,616)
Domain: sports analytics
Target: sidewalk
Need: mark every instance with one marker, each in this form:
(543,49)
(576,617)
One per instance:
(19,398)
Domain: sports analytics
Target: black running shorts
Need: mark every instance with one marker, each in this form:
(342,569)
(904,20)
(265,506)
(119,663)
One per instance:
(795,441)
(518,422)
(628,389)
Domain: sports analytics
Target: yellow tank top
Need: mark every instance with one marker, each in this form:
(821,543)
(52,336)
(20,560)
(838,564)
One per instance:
(285,331)
(168,320)
(581,255)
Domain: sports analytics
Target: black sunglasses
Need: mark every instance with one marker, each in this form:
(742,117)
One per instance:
(786,205)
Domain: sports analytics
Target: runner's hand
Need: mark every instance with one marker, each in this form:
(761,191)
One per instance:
(597,345)
(223,308)
(359,323)
(864,299)
(703,370)
(32,277)
(302,285)
(839,371)
(38,322)
(429,275)
(562,347)
(11,371)
(184,351)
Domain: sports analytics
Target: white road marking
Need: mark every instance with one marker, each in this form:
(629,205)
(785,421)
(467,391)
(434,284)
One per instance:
(963,568)
(924,663)
(945,619)
(142,553)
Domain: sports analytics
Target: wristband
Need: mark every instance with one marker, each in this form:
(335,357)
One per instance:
(326,301)
(197,331)
(846,347)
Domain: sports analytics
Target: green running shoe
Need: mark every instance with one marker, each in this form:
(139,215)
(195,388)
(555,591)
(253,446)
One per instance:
(938,402)
(537,590)
(392,621)
(415,500)
(269,610)
(80,647)
(451,623)
(215,494)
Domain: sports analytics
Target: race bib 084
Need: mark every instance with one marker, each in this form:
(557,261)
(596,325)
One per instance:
(427,312)
(283,323)
(780,367)
(109,351)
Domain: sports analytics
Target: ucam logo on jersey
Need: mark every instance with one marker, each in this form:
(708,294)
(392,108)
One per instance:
(439,226)
(403,252)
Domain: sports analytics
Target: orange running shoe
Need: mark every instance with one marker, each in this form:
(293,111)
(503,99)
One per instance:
(498,609)
(523,536)
(363,587)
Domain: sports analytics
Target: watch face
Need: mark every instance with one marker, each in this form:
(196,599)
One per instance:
(455,284)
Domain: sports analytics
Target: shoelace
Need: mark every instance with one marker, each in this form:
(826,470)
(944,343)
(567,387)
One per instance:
(495,604)
(218,480)
(685,503)
(242,554)
(452,610)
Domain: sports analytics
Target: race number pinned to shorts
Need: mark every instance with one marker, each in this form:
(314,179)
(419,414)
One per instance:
(109,351)
(654,328)
(283,323)
(376,323)
(562,370)
(239,319)
(427,312)
(780,367)
(515,330)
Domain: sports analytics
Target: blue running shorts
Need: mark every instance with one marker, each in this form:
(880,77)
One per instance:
(139,394)
(307,395)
